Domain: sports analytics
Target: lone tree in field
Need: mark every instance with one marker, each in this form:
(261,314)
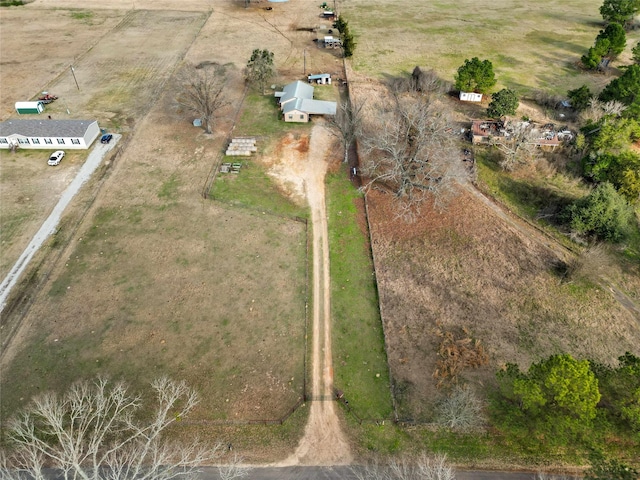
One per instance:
(99,431)
(475,76)
(505,102)
(619,11)
(202,92)
(346,124)
(260,68)
(411,153)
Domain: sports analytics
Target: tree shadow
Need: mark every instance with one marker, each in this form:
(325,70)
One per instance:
(545,203)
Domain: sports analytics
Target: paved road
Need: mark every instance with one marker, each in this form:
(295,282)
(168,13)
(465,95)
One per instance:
(51,223)
(346,473)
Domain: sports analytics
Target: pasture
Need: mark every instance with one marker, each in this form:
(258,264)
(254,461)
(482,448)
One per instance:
(532,45)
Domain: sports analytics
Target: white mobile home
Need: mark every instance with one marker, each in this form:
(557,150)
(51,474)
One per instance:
(470,97)
(48,134)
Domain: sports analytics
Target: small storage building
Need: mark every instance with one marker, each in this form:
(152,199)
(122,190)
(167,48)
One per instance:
(29,107)
(321,78)
(470,97)
(48,134)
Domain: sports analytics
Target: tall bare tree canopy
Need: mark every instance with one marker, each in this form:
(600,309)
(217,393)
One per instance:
(202,92)
(411,152)
(98,430)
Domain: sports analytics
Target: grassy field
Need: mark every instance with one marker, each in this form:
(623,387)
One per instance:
(157,280)
(532,45)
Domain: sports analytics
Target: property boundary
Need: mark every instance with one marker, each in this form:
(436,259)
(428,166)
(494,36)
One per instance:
(215,166)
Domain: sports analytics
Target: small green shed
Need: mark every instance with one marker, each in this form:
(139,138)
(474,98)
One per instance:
(29,107)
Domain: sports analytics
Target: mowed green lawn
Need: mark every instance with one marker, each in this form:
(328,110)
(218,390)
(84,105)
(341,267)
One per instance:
(532,45)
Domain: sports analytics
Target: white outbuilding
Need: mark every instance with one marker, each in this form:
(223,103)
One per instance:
(470,97)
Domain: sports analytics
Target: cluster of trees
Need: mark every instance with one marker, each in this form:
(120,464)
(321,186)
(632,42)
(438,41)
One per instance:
(619,11)
(610,127)
(348,43)
(564,401)
(609,43)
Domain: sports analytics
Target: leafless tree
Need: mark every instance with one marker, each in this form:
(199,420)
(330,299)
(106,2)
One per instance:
(411,152)
(519,148)
(202,92)
(424,467)
(461,411)
(234,469)
(548,476)
(98,430)
(346,124)
(427,81)
(597,109)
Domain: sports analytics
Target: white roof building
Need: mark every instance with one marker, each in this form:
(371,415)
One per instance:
(48,134)
(297,103)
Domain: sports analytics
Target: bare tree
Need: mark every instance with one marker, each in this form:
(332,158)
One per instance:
(346,124)
(519,148)
(202,92)
(597,110)
(411,152)
(424,467)
(98,431)
(461,411)
(234,469)
(427,81)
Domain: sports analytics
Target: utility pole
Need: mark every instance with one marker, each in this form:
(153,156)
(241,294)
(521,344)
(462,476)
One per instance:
(73,72)
(304,61)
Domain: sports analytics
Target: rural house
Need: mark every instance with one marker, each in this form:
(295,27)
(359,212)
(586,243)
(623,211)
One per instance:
(48,134)
(297,103)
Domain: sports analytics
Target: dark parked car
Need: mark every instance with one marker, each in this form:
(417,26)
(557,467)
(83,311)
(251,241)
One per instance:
(106,138)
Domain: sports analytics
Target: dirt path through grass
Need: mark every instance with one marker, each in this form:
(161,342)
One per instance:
(324,442)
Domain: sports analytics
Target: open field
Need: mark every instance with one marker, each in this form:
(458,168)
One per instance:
(154,279)
(467,269)
(532,45)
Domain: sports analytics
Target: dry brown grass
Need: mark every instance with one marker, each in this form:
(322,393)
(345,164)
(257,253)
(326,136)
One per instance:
(466,268)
